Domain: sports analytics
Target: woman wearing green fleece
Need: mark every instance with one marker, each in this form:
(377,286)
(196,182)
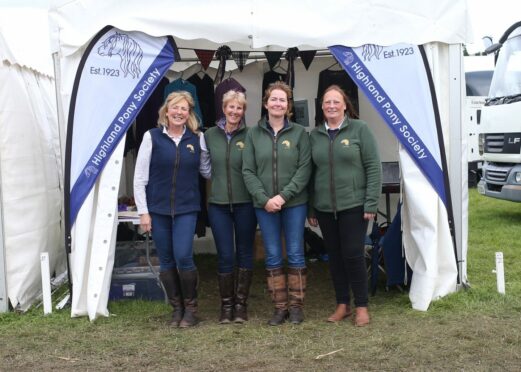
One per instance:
(346,188)
(276,169)
(230,209)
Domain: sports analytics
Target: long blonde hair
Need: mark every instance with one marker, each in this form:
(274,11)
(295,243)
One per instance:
(175,97)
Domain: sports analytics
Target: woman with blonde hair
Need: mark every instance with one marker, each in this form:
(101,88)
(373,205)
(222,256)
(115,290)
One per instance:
(230,209)
(166,190)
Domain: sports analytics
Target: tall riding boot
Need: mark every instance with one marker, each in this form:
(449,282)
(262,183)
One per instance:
(226,290)
(189,289)
(241,295)
(279,295)
(297,292)
(170,280)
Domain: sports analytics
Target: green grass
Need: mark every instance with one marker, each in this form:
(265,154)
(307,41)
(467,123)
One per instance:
(474,329)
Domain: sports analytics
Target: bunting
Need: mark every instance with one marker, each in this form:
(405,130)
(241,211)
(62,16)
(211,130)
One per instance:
(307,57)
(240,58)
(205,57)
(273,58)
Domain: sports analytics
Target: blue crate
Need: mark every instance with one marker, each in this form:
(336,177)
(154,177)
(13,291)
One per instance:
(144,286)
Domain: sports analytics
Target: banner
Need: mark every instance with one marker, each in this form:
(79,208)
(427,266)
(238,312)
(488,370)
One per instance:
(116,75)
(395,81)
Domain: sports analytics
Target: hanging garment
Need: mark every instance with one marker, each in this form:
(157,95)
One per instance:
(205,93)
(180,84)
(225,86)
(270,77)
(341,78)
(147,117)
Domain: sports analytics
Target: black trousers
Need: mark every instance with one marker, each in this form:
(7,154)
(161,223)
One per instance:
(344,237)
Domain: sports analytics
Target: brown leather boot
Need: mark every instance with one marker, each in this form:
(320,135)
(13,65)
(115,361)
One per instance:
(241,295)
(170,281)
(279,295)
(342,311)
(361,316)
(226,290)
(189,281)
(296,291)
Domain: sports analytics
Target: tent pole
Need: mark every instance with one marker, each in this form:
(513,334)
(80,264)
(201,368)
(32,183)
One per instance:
(457,159)
(61,134)
(4,300)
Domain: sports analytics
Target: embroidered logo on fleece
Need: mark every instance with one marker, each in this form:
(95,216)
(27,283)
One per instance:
(286,144)
(345,142)
(240,145)
(190,147)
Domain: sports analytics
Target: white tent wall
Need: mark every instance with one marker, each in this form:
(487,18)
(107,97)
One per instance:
(30,165)
(441,27)
(30,175)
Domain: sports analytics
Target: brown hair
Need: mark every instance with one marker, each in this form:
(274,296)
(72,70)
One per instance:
(349,106)
(192,123)
(279,85)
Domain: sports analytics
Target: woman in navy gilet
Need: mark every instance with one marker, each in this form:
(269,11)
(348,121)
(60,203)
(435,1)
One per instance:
(166,190)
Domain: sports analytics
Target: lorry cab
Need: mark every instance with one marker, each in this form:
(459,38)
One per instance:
(500,140)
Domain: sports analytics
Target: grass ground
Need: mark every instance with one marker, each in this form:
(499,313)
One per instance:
(476,329)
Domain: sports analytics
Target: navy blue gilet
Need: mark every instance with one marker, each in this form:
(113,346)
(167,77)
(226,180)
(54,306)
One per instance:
(173,181)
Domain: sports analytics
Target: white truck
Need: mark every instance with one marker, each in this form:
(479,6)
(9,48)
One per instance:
(478,74)
(500,137)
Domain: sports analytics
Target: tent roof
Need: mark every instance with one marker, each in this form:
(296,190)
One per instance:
(265,25)
(25,40)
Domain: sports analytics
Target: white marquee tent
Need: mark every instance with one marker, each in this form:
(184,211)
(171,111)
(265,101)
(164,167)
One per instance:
(270,25)
(30,165)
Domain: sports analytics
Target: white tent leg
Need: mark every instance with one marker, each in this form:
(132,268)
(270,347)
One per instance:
(457,161)
(4,301)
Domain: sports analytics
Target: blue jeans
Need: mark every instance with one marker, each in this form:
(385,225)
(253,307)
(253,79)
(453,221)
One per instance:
(173,238)
(289,221)
(234,232)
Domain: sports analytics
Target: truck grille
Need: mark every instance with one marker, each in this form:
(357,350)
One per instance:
(494,142)
(497,173)
(502,143)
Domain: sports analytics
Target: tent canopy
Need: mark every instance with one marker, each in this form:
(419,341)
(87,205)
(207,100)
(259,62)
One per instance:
(266,25)
(17,39)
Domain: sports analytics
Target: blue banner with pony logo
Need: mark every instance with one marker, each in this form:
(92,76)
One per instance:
(116,75)
(396,82)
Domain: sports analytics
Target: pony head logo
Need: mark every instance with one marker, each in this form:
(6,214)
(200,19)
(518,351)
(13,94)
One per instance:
(128,51)
(345,142)
(348,58)
(90,170)
(240,145)
(190,148)
(371,50)
(286,144)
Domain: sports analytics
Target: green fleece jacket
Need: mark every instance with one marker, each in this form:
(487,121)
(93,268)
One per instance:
(346,170)
(227,186)
(278,164)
